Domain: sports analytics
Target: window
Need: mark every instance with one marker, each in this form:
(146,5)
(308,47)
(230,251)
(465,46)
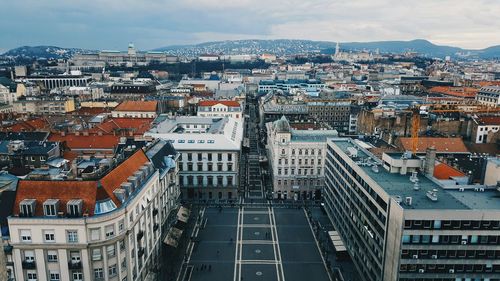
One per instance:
(31,275)
(112,270)
(96,254)
(74,207)
(111,250)
(229,167)
(72,236)
(229,157)
(52,256)
(121,245)
(200,157)
(95,234)
(50,207)
(54,276)
(209,155)
(219,167)
(27,207)
(49,236)
(200,167)
(209,167)
(25,236)
(98,273)
(190,157)
(121,226)
(219,156)
(77,276)
(110,231)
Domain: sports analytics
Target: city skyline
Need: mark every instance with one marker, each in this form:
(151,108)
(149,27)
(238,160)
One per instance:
(111,25)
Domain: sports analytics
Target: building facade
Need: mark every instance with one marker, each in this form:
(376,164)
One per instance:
(209,153)
(401,227)
(221,108)
(489,96)
(103,229)
(44,105)
(297,159)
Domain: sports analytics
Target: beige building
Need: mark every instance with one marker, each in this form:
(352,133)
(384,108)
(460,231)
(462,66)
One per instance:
(44,105)
(109,228)
(297,158)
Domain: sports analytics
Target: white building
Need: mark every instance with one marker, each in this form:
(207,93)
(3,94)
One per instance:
(489,96)
(103,229)
(210,150)
(216,108)
(485,128)
(297,159)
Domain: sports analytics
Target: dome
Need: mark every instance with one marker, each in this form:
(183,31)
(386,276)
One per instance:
(282,125)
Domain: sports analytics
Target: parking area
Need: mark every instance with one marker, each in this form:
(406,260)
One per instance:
(251,243)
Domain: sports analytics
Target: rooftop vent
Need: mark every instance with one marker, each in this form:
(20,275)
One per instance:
(432,195)
(375,168)
(398,199)
(416,186)
(414,177)
(408,200)
(353,152)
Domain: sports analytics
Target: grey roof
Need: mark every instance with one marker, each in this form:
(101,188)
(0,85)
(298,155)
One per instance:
(313,135)
(281,125)
(395,184)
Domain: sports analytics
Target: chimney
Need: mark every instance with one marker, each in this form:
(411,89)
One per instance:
(430,160)
(86,133)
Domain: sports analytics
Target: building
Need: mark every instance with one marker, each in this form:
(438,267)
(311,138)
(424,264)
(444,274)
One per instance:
(336,114)
(108,228)
(489,95)
(222,108)
(492,172)
(130,57)
(50,82)
(27,154)
(297,159)
(132,90)
(135,109)
(485,129)
(209,153)
(266,86)
(397,222)
(44,105)
(450,146)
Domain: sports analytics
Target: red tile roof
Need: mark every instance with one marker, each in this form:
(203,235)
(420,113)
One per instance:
(62,190)
(443,171)
(116,125)
(464,92)
(37,124)
(88,191)
(117,176)
(149,106)
(91,110)
(489,120)
(228,103)
(442,145)
(91,142)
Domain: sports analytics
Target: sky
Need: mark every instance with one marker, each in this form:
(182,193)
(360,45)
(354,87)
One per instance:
(149,24)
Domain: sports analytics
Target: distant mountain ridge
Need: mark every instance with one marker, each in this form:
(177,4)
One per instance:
(48,52)
(279,47)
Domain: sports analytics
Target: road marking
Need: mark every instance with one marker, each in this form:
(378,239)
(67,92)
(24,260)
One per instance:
(274,235)
(236,264)
(317,245)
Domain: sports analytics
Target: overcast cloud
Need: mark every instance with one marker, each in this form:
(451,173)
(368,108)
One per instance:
(111,24)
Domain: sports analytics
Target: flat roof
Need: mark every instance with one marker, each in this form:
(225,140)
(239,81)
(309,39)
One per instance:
(395,184)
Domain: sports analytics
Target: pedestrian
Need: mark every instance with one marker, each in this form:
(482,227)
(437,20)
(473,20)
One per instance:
(218,252)
(209,267)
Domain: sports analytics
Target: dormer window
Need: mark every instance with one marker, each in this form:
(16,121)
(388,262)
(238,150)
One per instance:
(74,207)
(27,207)
(50,207)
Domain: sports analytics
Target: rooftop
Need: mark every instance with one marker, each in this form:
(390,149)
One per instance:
(149,106)
(442,145)
(228,103)
(400,186)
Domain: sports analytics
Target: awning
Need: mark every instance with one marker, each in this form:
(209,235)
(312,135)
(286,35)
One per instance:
(173,236)
(337,241)
(183,214)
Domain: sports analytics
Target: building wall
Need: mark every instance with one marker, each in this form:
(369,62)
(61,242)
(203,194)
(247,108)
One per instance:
(146,212)
(194,174)
(492,174)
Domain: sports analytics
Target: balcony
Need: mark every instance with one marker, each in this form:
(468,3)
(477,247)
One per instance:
(140,234)
(29,264)
(7,249)
(74,265)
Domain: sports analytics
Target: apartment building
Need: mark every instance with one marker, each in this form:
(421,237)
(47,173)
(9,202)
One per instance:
(108,228)
(44,105)
(209,153)
(297,159)
(337,114)
(489,96)
(222,108)
(399,223)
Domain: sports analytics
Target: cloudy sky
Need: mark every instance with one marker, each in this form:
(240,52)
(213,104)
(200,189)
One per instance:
(111,24)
